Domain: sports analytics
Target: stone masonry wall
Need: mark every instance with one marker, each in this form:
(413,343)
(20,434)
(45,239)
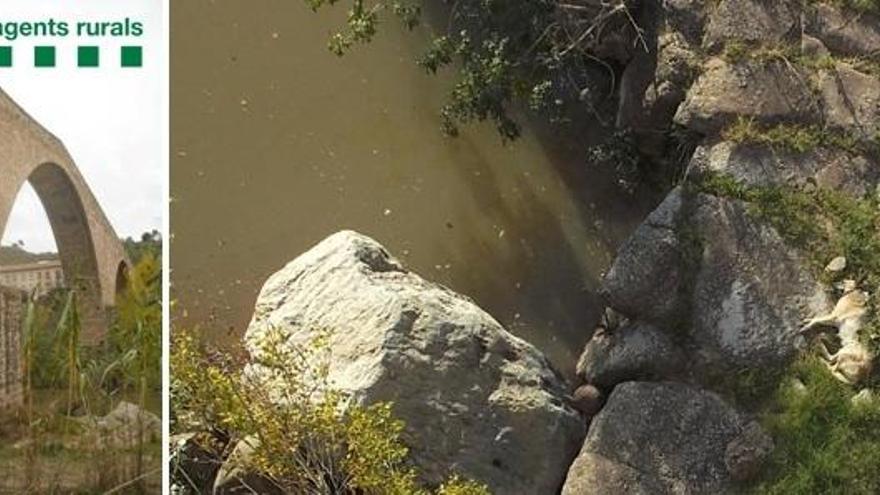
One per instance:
(12,308)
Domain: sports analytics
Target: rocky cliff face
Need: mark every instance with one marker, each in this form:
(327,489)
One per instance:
(779,95)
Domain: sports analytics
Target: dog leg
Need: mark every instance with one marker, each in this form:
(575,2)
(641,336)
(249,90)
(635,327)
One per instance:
(830,358)
(841,377)
(811,323)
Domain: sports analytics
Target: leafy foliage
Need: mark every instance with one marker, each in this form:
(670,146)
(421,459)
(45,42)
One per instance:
(539,53)
(136,336)
(149,243)
(307,438)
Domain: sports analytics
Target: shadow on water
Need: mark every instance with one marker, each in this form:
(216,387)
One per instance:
(277,144)
(553,301)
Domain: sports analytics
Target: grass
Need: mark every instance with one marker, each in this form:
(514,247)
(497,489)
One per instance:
(823,224)
(824,443)
(736,51)
(797,138)
(46,448)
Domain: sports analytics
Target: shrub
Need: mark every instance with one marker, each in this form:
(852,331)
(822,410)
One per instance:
(136,336)
(535,53)
(309,438)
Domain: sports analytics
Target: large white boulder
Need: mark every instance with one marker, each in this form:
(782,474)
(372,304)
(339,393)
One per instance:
(476,400)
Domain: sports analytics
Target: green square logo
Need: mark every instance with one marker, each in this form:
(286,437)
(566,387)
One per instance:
(44,56)
(5,56)
(88,56)
(132,56)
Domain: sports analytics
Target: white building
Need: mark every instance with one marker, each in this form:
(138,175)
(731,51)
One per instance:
(42,276)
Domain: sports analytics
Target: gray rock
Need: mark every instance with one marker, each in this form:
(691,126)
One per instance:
(123,427)
(636,351)
(677,67)
(753,21)
(851,100)
(751,290)
(759,165)
(743,290)
(677,64)
(595,474)
(128,415)
(813,47)
(656,438)
(746,454)
(687,17)
(838,264)
(845,33)
(193,467)
(766,92)
(235,478)
(476,400)
(645,279)
(639,72)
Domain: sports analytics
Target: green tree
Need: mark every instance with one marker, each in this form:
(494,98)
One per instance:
(543,54)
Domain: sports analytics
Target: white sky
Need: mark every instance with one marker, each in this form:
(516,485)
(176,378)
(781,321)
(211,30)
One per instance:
(110,119)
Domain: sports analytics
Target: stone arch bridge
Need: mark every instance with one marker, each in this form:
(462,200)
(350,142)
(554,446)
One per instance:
(92,255)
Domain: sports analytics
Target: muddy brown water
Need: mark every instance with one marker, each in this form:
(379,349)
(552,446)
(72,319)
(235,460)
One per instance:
(277,143)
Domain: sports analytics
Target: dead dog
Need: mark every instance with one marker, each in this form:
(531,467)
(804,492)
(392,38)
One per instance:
(854,361)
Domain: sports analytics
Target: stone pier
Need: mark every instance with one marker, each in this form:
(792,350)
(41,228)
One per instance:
(12,312)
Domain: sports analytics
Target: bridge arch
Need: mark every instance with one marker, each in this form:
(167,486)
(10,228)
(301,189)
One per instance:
(90,251)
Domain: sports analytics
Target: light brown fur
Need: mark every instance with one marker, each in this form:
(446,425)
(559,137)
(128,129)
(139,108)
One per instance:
(854,361)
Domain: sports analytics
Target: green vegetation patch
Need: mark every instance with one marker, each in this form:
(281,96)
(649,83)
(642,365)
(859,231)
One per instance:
(736,51)
(824,442)
(65,381)
(798,138)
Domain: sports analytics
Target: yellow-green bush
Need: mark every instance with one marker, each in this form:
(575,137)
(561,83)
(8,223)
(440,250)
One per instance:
(310,439)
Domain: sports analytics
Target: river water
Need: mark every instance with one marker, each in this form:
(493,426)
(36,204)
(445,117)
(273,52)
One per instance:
(277,143)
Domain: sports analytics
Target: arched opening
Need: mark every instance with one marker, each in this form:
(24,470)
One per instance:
(29,259)
(75,264)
